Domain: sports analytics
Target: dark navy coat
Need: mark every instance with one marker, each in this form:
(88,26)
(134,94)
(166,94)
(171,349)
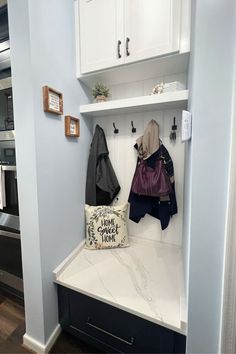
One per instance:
(155,206)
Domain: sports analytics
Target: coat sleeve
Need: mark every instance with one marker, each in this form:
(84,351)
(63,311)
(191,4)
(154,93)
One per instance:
(169,167)
(106,180)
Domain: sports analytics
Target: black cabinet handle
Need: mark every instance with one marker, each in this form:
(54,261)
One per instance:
(89,323)
(118,49)
(127,46)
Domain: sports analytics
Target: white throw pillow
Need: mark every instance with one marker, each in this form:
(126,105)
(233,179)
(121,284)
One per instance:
(106,226)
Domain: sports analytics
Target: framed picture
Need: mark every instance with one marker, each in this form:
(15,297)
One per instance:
(72,127)
(52,101)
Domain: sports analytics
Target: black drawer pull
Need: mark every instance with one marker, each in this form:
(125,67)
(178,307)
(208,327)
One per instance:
(127,46)
(118,49)
(131,342)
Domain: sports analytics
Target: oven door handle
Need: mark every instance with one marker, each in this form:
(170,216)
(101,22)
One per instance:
(8,167)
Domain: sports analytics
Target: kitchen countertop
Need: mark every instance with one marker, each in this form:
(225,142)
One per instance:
(144,279)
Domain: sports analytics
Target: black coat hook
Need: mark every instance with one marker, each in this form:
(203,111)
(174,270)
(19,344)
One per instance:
(116,131)
(173,131)
(133,128)
(174,126)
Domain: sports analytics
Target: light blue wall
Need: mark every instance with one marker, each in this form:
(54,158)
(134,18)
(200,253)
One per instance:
(212,67)
(51,167)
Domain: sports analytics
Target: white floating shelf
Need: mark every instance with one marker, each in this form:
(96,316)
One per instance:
(143,70)
(168,100)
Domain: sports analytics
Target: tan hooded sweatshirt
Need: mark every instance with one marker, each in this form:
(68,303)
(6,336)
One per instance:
(149,142)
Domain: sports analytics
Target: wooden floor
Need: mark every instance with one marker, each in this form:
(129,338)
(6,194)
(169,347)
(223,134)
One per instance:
(68,344)
(12,324)
(12,329)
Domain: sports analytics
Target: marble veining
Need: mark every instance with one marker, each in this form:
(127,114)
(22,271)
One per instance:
(142,288)
(101,280)
(144,279)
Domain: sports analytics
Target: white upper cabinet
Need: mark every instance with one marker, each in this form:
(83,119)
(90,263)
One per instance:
(101,34)
(152,28)
(116,32)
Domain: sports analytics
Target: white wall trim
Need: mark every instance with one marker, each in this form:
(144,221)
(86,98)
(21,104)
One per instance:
(32,344)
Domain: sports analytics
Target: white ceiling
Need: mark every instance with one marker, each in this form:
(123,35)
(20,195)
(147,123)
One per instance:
(3,2)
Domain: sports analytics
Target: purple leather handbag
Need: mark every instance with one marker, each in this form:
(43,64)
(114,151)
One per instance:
(149,181)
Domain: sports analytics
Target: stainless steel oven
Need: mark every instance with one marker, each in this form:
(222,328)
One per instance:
(10,242)
(5,63)
(11,262)
(9,210)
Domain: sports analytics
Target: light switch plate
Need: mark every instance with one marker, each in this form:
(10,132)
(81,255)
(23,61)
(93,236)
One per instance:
(186,126)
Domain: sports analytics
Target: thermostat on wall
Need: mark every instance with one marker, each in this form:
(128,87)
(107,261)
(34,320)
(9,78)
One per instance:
(186,126)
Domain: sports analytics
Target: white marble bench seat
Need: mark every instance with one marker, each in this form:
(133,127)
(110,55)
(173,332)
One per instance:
(144,279)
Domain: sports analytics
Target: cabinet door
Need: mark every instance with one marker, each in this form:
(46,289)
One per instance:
(101,29)
(152,28)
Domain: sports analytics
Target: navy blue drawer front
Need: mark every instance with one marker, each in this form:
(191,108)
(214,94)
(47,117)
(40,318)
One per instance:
(111,329)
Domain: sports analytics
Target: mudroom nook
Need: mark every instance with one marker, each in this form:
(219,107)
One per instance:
(145,281)
(124,131)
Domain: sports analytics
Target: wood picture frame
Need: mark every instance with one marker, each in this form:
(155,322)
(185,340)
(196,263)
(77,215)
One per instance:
(72,126)
(52,100)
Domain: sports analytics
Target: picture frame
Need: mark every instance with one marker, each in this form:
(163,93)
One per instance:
(52,100)
(72,126)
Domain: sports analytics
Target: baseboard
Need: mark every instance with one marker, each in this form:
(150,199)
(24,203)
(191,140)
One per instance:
(39,348)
